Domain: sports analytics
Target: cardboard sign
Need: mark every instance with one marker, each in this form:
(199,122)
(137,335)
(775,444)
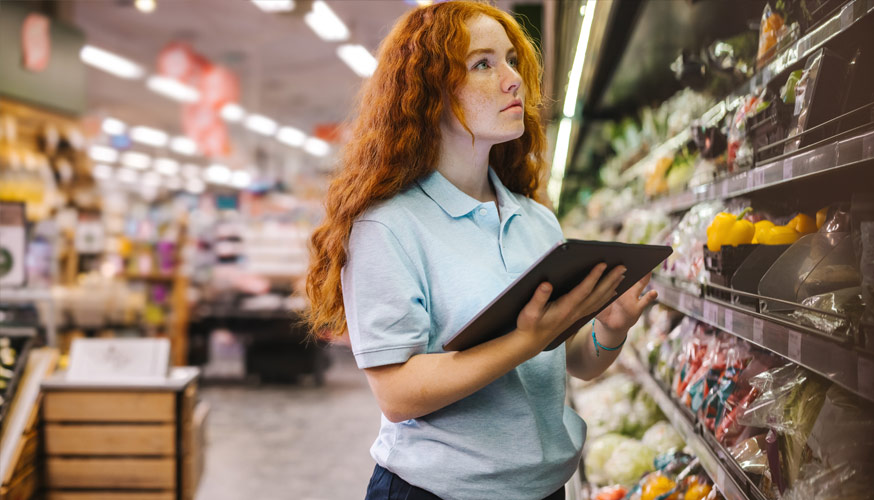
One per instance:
(119,360)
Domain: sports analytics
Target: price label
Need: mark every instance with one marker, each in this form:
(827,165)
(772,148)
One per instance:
(684,301)
(795,346)
(728,319)
(759,176)
(847,17)
(787,168)
(724,189)
(758,327)
(866,377)
(711,313)
(720,477)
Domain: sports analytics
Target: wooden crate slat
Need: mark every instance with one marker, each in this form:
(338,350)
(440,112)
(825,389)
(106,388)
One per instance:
(109,406)
(146,473)
(110,439)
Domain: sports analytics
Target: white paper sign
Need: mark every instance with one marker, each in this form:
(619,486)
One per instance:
(114,360)
(711,313)
(787,168)
(758,326)
(795,346)
(728,319)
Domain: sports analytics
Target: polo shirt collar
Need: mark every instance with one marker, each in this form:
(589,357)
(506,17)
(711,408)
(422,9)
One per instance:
(456,203)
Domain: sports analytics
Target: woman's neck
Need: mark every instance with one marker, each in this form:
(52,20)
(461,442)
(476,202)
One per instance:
(466,166)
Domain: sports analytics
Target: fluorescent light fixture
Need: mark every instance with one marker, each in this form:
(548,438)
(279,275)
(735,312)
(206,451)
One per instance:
(424,3)
(191,170)
(111,63)
(167,166)
(111,126)
(134,159)
(325,23)
(291,136)
(241,179)
(562,141)
(102,171)
(150,136)
(218,174)
(173,89)
(261,124)
(127,175)
(195,186)
(358,58)
(232,112)
(145,6)
(573,86)
(274,5)
(103,154)
(316,147)
(173,183)
(183,145)
(151,179)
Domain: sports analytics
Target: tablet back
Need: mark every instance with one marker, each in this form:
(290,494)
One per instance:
(564,266)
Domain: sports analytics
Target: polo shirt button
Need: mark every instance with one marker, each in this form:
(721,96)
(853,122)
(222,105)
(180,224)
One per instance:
(483,211)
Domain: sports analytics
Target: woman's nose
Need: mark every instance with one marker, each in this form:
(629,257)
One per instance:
(511,80)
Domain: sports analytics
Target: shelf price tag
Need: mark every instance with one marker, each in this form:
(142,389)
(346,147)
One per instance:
(720,477)
(728,319)
(795,346)
(711,313)
(759,177)
(787,168)
(866,377)
(684,301)
(724,188)
(758,327)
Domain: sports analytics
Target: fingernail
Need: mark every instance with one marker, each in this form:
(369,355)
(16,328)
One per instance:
(623,269)
(544,287)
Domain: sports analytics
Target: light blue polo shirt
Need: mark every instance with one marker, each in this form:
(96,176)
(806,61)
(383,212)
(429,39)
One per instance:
(421,265)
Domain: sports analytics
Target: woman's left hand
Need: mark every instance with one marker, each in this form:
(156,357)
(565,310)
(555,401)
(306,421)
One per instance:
(624,312)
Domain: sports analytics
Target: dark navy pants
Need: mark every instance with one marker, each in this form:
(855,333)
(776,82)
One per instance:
(386,485)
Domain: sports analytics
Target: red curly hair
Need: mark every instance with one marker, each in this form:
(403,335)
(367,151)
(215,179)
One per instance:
(396,135)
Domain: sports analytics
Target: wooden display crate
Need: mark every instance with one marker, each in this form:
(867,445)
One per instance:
(132,441)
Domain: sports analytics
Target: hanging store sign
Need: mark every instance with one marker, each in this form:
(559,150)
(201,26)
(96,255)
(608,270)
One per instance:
(12,244)
(36,42)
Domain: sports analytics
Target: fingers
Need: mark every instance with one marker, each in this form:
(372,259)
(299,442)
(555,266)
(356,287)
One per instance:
(647,299)
(533,310)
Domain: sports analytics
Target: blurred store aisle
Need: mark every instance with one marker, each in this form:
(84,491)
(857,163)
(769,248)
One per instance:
(302,442)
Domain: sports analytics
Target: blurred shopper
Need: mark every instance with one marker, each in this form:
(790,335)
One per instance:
(432,215)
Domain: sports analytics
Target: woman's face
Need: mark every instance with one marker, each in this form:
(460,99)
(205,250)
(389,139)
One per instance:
(492,96)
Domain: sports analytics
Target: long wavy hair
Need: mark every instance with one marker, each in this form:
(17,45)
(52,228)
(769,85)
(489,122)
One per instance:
(396,135)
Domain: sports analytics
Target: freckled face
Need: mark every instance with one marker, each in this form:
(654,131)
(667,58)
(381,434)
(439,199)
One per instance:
(492,96)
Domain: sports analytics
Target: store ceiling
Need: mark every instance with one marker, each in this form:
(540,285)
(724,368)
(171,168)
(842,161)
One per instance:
(285,70)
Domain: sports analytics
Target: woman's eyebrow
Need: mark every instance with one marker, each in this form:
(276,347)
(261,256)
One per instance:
(474,52)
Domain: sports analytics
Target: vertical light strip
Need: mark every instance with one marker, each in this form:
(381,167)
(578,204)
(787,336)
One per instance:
(562,139)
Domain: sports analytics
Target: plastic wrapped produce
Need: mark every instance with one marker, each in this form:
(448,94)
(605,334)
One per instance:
(662,437)
(751,455)
(715,403)
(605,406)
(599,451)
(630,460)
(610,493)
(687,240)
(644,413)
(727,429)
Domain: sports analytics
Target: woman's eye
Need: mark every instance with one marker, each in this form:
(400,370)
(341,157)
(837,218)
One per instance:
(481,65)
(513,62)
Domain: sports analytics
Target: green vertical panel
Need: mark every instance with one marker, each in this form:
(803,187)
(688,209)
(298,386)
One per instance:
(530,16)
(61,86)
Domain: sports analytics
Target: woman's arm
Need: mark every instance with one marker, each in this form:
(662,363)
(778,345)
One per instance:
(611,328)
(428,382)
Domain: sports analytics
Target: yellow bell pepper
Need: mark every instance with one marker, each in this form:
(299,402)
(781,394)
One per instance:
(780,235)
(803,223)
(657,487)
(729,229)
(697,491)
(761,228)
(821,216)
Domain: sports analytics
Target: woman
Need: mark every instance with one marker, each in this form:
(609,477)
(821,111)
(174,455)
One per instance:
(431,217)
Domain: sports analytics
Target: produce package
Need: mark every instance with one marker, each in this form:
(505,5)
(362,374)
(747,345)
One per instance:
(771,30)
(714,407)
(728,431)
(687,240)
(662,437)
(616,459)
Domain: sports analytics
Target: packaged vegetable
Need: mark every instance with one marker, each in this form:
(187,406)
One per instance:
(599,451)
(715,405)
(630,460)
(770,30)
(662,437)
(610,493)
(657,486)
(696,490)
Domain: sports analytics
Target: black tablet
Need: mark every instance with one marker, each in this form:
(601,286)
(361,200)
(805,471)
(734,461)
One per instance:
(565,265)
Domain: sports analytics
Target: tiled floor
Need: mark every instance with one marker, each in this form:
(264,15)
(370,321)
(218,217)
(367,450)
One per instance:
(291,442)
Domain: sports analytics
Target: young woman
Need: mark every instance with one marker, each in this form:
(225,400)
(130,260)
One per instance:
(432,215)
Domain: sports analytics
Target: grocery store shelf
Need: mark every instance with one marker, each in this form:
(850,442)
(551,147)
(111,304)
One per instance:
(715,463)
(33,295)
(829,357)
(17,331)
(165,278)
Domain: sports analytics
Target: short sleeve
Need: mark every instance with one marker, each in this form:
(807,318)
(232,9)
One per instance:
(384,298)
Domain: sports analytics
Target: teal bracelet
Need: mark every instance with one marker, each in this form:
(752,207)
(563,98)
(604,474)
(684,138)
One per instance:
(598,346)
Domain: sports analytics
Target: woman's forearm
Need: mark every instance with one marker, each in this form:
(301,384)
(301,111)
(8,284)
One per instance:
(582,360)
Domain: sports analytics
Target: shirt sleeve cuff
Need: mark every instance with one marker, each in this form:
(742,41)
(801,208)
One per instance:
(370,359)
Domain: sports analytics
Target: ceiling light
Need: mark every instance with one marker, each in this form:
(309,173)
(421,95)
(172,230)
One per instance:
(191,170)
(103,154)
(274,5)
(316,147)
(111,63)
(218,174)
(101,171)
(174,89)
(150,136)
(183,146)
(195,186)
(261,124)
(573,86)
(291,136)
(136,160)
(167,166)
(325,23)
(127,175)
(111,126)
(145,6)
(241,179)
(232,112)
(562,142)
(358,58)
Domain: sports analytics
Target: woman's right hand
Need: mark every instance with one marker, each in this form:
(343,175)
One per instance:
(542,320)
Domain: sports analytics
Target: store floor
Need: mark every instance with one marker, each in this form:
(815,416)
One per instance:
(291,442)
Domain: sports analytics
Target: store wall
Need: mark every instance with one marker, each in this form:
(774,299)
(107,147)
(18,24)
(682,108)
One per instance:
(61,85)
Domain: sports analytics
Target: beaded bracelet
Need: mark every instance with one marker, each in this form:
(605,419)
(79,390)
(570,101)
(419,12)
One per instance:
(598,346)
